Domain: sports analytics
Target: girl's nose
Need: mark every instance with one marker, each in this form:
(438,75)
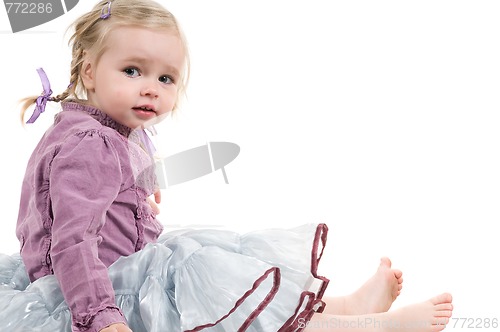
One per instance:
(150,91)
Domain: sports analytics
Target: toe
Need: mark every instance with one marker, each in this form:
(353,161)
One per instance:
(385,261)
(439,324)
(444,306)
(442,298)
(441,321)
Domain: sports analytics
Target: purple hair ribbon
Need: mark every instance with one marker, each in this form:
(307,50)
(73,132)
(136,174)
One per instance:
(108,14)
(41,101)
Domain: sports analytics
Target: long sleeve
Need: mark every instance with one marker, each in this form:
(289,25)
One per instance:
(85,178)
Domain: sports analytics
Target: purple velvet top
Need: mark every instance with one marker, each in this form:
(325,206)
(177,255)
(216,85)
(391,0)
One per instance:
(83,205)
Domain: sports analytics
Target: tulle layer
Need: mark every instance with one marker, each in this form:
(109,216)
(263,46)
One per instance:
(190,280)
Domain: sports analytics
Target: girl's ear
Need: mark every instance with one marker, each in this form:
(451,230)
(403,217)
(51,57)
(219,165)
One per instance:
(87,72)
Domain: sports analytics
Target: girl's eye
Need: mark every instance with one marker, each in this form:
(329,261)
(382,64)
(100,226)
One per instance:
(132,72)
(165,79)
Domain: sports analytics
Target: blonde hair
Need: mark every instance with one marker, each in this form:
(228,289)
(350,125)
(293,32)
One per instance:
(91,31)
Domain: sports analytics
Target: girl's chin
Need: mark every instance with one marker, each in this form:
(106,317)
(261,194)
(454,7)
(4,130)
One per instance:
(139,125)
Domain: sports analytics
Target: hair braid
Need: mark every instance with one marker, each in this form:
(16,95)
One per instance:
(76,63)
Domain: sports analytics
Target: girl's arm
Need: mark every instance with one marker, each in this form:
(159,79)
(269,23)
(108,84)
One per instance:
(85,178)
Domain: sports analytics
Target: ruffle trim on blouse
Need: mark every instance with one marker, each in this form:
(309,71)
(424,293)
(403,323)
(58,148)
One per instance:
(101,117)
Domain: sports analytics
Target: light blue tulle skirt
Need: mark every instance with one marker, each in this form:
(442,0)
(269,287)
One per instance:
(190,280)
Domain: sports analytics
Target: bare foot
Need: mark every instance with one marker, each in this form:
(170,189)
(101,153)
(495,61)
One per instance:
(429,316)
(378,293)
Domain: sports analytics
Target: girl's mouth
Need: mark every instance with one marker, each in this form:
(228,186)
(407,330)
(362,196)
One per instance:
(144,112)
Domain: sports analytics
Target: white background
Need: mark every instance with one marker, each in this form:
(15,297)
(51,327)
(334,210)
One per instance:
(379,118)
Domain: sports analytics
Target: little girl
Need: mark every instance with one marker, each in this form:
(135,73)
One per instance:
(91,256)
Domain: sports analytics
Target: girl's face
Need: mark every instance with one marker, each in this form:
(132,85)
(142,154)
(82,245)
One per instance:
(136,79)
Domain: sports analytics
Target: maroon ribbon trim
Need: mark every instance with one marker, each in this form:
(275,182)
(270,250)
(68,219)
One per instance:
(275,271)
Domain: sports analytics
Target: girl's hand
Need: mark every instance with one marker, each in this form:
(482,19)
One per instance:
(154,204)
(116,328)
